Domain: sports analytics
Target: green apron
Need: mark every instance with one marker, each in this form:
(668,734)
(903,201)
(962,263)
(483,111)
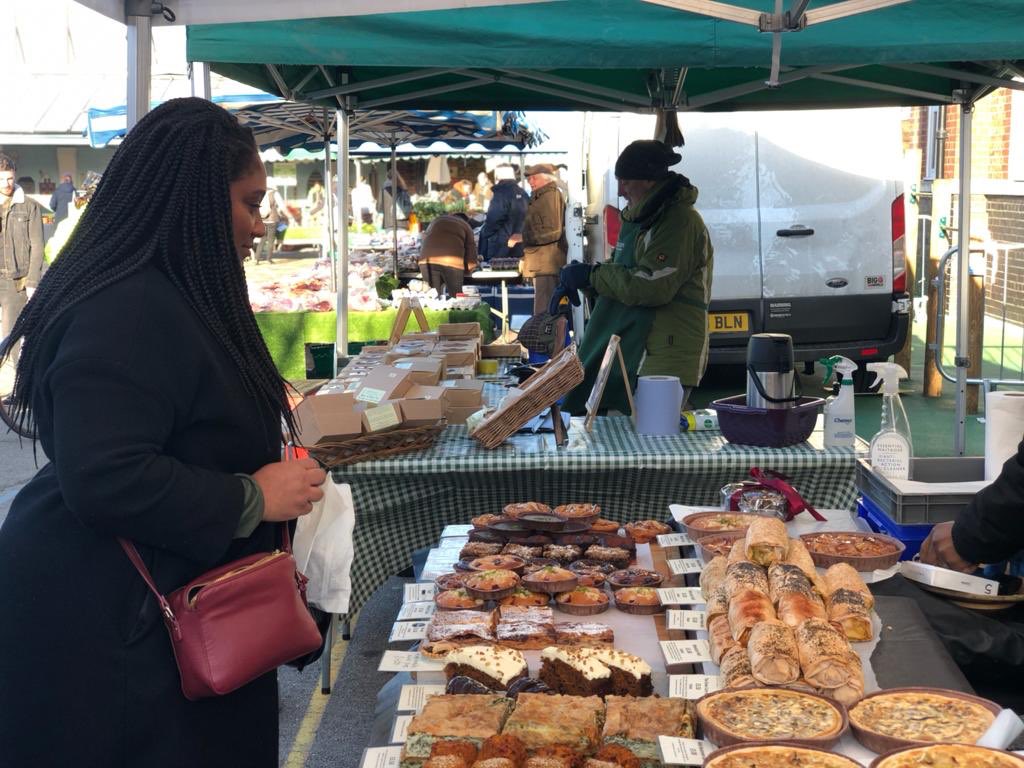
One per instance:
(611,317)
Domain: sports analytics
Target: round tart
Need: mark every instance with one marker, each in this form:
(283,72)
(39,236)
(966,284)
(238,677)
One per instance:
(768,755)
(634,577)
(450,581)
(491,585)
(638,600)
(960,755)
(457,599)
(523,596)
(605,526)
(482,521)
(864,551)
(582,601)
(515,511)
(582,513)
(498,563)
(551,579)
(591,566)
(701,524)
(717,544)
(591,579)
(644,531)
(904,717)
(461,565)
(736,715)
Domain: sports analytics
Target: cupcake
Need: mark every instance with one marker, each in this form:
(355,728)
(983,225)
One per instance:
(582,601)
(551,579)
(640,600)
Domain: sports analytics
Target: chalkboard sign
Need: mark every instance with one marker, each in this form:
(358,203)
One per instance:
(612,354)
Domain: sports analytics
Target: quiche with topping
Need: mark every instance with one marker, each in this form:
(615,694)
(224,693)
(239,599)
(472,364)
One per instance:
(777,756)
(769,714)
(951,756)
(922,716)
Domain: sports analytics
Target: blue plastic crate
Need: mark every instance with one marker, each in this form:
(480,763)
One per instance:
(911,535)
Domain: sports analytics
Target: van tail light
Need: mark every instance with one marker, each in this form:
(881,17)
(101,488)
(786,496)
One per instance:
(899,251)
(612,225)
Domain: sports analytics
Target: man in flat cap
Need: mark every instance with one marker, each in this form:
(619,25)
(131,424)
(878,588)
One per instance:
(654,293)
(544,243)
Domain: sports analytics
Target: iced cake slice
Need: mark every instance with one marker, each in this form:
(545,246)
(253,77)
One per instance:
(490,665)
(525,627)
(595,672)
(582,633)
(449,630)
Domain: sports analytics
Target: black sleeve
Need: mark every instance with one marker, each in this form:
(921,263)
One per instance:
(496,227)
(992,527)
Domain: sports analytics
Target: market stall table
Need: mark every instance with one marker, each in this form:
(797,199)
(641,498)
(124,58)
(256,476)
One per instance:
(402,502)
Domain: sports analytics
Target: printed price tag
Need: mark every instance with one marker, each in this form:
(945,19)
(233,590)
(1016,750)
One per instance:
(418,592)
(413,697)
(451,531)
(687,565)
(382,417)
(674,540)
(381,757)
(454,543)
(686,621)
(408,661)
(370,395)
(684,751)
(681,596)
(398,733)
(413,611)
(692,687)
(685,651)
(441,558)
(408,630)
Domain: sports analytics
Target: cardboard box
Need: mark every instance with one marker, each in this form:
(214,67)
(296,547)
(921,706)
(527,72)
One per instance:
(457,414)
(424,392)
(457,354)
(948,579)
(459,329)
(464,393)
(383,383)
(460,373)
(382,418)
(409,349)
(422,370)
(331,416)
(501,350)
(421,411)
(431,336)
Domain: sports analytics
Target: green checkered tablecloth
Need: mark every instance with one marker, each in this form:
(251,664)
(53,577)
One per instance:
(402,503)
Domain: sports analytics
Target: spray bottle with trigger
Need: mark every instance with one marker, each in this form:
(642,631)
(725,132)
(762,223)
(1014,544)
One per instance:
(891,447)
(840,424)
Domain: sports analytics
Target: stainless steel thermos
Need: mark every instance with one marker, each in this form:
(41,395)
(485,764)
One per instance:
(771,379)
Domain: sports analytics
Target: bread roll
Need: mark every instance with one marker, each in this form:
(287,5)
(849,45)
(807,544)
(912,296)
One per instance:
(850,611)
(794,608)
(824,654)
(845,576)
(738,553)
(766,541)
(713,575)
(773,655)
(852,691)
(786,577)
(717,605)
(735,669)
(743,576)
(747,609)
(719,638)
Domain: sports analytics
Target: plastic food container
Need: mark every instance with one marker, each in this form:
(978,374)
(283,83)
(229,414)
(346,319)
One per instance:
(766,427)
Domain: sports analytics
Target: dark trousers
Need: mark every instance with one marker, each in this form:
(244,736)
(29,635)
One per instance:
(543,289)
(12,301)
(446,277)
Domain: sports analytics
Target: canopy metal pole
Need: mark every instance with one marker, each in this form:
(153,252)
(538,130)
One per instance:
(962,361)
(394,199)
(341,345)
(330,251)
(140,46)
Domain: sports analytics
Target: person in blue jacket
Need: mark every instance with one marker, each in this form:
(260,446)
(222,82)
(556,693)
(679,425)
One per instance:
(502,233)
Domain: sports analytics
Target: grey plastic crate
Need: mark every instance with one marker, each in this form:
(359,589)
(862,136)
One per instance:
(922,508)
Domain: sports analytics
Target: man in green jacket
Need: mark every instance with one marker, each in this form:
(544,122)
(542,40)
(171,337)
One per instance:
(654,293)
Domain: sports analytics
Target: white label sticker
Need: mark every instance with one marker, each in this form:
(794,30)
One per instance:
(692,687)
(456,530)
(413,697)
(685,651)
(418,592)
(370,395)
(408,630)
(686,621)
(382,757)
(408,661)
(412,611)
(401,729)
(684,751)
(674,540)
(681,596)
(684,566)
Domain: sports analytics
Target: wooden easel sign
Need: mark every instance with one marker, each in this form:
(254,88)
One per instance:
(406,307)
(612,354)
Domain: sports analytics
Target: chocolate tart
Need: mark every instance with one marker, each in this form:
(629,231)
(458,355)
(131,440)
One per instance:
(598,601)
(451,580)
(551,579)
(634,577)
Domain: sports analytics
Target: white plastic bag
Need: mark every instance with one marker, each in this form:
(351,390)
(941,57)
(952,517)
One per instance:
(323,548)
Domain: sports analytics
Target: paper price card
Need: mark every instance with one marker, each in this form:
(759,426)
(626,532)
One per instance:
(414,611)
(674,540)
(686,621)
(692,687)
(684,751)
(681,596)
(418,592)
(685,651)
(398,733)
(451,531)
(413,697)
(408,661)
(687,565)
(381,757)
(408,630)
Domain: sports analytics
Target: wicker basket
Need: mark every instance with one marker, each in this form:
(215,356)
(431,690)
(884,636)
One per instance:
(378,446)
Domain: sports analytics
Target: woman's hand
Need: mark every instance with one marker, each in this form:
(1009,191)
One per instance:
(938,549)
(289,488)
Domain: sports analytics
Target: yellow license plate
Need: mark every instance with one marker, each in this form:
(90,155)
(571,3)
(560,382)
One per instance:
(728,322)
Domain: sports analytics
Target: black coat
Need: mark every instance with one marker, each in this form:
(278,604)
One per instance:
(505,216)
(144,421)
(991,528)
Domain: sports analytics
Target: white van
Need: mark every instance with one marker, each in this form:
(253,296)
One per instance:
(806,215)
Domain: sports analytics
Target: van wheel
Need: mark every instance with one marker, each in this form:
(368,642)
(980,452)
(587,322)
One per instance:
(862,376)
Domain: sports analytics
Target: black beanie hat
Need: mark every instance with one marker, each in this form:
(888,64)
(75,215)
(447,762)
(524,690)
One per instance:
(648,160)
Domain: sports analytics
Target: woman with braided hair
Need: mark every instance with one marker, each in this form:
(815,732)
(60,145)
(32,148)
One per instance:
(160,411)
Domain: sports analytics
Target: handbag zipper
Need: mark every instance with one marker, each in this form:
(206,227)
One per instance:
(194,592)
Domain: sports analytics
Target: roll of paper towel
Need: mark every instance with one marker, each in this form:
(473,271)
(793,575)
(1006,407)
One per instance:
(659,400)
(1004,429)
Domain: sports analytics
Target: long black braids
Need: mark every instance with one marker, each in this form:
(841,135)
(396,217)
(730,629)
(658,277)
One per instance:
(164,199)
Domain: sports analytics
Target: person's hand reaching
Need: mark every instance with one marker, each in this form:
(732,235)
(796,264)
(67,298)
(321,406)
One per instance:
(938,550)
(289,488)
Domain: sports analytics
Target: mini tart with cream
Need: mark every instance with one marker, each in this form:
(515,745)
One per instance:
(551,579)
(638,600)
(492,665)
(491,585)
(582,601)
(457,599)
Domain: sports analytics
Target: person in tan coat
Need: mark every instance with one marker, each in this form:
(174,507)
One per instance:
(544,243)
(448,252)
